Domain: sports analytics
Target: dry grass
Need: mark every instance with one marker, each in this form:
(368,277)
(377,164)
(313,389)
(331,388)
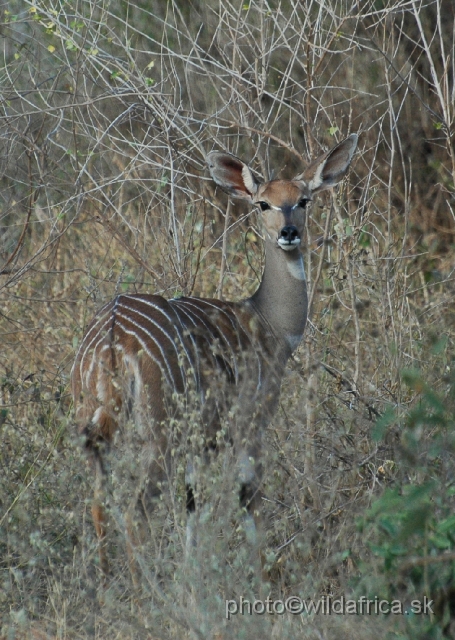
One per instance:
(108,110)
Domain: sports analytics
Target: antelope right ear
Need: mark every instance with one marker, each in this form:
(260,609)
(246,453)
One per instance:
(327,170)
(232,175)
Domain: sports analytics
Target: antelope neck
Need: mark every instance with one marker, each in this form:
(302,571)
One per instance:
(281,298)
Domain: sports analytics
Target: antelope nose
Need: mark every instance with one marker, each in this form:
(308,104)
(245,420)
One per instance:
(289,233)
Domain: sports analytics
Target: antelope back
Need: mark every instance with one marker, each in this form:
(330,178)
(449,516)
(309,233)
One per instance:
(141,349)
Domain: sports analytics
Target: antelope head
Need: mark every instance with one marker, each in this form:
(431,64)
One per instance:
(282,202)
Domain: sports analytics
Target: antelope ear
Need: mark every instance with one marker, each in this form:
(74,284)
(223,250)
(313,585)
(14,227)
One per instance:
(232,175)
(327,170)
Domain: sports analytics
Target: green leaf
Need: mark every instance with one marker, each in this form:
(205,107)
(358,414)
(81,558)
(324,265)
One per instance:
(383,423)
(440,345)
(447,525)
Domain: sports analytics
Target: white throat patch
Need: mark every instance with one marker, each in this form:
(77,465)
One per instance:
(294,341)
(296,268)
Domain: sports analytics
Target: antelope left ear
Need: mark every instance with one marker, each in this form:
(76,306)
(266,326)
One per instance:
(232,175)
(327,170)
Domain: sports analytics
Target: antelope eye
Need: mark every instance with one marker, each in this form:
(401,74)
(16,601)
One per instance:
(303,202)
(264,206)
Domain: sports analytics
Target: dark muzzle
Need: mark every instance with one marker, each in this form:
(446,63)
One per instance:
(289,234)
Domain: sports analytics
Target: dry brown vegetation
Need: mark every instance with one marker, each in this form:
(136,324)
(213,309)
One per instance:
(108,110)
